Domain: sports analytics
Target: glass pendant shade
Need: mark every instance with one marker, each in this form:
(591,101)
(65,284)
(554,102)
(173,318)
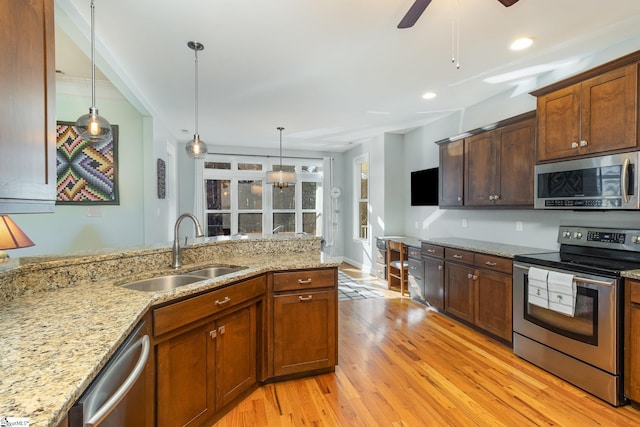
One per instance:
(280,178)
(196,148)
(93,127)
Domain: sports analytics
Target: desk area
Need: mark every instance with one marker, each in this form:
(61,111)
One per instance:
(394,261)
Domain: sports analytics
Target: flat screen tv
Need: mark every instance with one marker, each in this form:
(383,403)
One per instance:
(424,187)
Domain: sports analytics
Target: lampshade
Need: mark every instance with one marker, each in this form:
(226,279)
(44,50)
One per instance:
(196,148)
(93,127)
(280,178)
(11,237)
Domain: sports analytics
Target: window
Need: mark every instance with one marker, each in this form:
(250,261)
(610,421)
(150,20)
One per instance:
(361,197)
(238,200)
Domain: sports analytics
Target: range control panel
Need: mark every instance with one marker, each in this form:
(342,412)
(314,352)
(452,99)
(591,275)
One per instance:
(611,238)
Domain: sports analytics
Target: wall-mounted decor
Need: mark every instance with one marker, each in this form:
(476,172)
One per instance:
(87,173)
(162,176)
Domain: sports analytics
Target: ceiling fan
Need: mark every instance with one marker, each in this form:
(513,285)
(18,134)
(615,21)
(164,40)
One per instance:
(419,7)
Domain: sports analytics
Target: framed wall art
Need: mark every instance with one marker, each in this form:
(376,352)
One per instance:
(87,174)
(162,178)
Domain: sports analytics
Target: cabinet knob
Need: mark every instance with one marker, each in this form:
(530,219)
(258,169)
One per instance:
(459,198)
(496,197)
(583,143)
(439,267)
(469,276)
(213,334)
(474,277)
(491,197)
(574,145)
(221,330)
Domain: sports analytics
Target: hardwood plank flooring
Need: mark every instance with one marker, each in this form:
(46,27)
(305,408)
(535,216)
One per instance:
(401,364)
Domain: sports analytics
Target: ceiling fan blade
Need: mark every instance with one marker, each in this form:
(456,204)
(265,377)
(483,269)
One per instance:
(414,13)
(508,3)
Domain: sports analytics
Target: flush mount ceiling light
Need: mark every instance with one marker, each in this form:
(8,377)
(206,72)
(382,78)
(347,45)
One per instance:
(429,95)
(521,43)
(196,148)
(280,178)
(93,127)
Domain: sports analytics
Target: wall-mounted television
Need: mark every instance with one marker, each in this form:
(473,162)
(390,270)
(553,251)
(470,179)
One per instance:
(424,187)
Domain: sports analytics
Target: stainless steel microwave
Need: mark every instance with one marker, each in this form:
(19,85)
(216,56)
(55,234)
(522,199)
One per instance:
(598,183)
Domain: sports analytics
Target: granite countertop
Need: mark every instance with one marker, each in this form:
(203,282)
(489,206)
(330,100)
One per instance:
(490,248)
(54,342)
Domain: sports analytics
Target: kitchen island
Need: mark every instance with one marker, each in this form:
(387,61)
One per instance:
(63,318)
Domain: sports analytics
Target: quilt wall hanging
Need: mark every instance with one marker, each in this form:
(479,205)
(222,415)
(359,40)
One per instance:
(87,173)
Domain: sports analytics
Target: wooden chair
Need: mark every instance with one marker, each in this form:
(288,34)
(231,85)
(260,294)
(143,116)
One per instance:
(397,266)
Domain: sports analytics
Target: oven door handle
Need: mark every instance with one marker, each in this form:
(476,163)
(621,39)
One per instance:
(576,279)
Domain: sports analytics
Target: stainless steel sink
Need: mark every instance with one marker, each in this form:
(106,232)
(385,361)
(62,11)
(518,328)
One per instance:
(213,272)
(163,283)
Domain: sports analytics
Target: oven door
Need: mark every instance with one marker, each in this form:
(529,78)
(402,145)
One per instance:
(591,335)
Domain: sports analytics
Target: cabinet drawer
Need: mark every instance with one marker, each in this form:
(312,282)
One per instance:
(432,250)
(416,268)
(457,255)
(304,279)
(634,291)
(381,256)
(503,265)
(414,252)
(181,313)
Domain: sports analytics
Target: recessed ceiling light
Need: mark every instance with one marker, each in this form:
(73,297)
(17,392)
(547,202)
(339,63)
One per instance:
(429,95)
(521,43)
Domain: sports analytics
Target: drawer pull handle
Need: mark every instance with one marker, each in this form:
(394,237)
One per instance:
(491,264)
(431,251)
(307,298)
(224,301)
(304,281)
(456,256)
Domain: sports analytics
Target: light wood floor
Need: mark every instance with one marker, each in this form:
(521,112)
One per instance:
(403,365)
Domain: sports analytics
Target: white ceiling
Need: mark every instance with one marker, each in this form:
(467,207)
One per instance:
(331,72)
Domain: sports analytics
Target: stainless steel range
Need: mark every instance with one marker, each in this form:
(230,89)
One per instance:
(568,307)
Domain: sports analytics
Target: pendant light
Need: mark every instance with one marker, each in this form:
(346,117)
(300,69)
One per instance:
(93,127)
(196,148)
(280,178)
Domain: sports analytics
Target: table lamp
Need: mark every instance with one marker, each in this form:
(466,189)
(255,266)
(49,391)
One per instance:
(11,237)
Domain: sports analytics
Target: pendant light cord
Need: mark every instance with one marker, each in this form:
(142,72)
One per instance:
(93,58)
(196,87)
(280,129)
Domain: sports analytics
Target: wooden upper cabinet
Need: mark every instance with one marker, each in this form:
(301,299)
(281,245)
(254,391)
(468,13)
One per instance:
(597,115)
(499,166)
(451,174)
(27,110)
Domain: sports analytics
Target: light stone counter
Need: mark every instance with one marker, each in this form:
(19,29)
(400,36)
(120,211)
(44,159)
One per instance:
(490,248)
(62,321)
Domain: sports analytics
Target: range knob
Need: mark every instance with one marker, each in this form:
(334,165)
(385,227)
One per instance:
(577,235)
(566,234)
(636,239)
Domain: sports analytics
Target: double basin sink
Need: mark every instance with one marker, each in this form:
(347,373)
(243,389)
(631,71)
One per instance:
(172,281)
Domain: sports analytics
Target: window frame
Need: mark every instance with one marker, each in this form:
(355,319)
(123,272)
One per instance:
(357,200)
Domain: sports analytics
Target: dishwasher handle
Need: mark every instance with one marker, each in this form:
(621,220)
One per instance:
(111,403)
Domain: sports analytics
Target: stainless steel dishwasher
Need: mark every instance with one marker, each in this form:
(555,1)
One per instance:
(119,396)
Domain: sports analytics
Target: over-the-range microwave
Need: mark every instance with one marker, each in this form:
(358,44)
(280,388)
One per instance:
(598,183)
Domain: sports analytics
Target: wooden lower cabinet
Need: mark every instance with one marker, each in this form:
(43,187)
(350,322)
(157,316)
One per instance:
(632,340)
(304,332)
(202,370)
(478,290)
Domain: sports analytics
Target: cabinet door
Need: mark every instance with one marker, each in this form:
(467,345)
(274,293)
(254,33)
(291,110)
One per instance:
(481,169)
(632,341)
(185,377)
(517,148)
(493,303)
(558,123)
(451,174)
(27,110)
(459,291)
(304,332)
(434,282)
(236,354)
(609,111)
